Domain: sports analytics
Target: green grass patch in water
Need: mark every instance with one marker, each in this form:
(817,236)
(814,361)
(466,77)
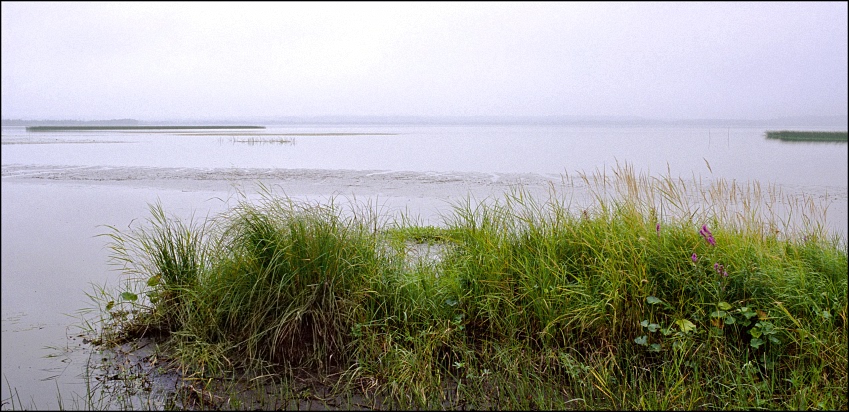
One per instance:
(797,136)
(654,295)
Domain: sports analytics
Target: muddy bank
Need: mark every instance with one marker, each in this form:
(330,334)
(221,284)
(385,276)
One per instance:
(338,178)
(407,188)
(420,193)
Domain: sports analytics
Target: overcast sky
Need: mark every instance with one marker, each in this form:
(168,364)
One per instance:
(201,60)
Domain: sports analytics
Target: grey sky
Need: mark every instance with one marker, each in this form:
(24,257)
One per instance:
(190,60)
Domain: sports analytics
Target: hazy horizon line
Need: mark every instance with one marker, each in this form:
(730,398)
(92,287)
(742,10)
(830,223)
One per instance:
(827,120)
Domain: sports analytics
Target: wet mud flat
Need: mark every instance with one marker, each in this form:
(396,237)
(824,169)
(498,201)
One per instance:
(379,180)
(49,140)
(424,194)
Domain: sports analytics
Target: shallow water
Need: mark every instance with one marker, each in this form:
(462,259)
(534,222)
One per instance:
(742,154)
(59,188)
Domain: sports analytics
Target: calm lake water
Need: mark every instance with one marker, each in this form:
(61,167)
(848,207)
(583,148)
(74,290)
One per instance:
(742,154)
(58,187)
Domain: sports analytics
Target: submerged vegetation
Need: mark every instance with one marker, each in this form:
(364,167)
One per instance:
(796,136)
(252,140)
(651,294)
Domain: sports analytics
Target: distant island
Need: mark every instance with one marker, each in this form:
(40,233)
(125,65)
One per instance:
(67,128)
(118,124)
(797,136)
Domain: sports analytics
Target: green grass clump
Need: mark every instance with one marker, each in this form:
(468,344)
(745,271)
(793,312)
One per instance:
(797,136)
(652,294)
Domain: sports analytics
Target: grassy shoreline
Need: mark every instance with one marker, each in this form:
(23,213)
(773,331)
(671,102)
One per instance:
(94,128)
(801,136)
(640,299)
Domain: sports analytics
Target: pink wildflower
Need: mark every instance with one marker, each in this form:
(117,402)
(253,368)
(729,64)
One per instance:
(705,232)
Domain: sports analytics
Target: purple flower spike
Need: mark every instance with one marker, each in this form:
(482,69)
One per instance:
(694,258)
(657,228)
(705,232)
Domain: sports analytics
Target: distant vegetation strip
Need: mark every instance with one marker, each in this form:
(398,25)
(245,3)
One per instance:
(797,136)
(68,128)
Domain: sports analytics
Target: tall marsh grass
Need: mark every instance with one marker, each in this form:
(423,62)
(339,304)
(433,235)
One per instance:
(649,293)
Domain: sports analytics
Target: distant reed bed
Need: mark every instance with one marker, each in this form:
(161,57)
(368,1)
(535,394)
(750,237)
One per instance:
(132,128)
(798,136)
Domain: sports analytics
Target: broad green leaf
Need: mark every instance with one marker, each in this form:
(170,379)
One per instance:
(132,297)
(766,327)
(666,331)
(755,343)
(755,332)
(685,325)
(154,280)
(655,347)
(644,323)
(653,327)
(729,320)
(651,300)
(825,314)
(718,314)
(723,306)
(774,340)
(642,340)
